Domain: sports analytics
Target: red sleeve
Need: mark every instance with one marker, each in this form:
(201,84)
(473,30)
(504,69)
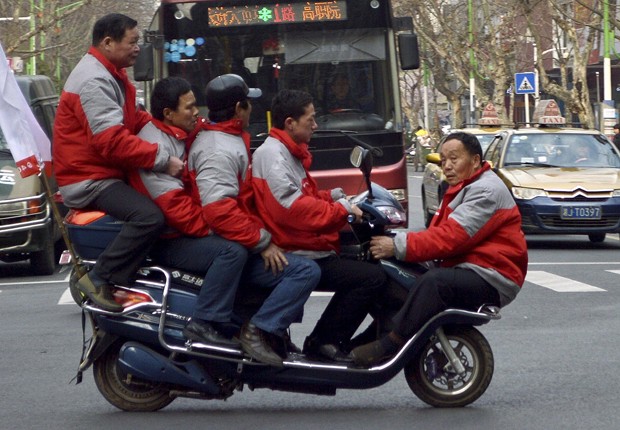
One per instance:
(183,213)
(228,220)
(122,148)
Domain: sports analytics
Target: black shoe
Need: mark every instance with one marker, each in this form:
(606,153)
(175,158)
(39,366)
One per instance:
(203,332)
(99,295)
(283,346)
(372,353)
(255,342)
(289,346)
(325,352)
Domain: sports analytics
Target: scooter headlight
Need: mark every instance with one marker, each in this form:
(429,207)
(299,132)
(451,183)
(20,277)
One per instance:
(395,216)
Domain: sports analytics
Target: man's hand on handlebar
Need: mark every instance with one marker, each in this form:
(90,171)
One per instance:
(357,212)
(382,247)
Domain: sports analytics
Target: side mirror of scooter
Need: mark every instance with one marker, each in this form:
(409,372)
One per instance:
(362,158)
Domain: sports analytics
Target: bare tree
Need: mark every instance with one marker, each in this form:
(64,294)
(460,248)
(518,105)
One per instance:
(56,33)
(455,51)
(500,43)
(574,30)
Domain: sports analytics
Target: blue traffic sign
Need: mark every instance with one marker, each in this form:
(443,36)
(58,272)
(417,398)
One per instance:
(525,83)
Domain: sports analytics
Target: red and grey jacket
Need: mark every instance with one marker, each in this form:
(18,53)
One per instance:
(183,212)
(299,215)
(95,130)
(478,226)
(219,163)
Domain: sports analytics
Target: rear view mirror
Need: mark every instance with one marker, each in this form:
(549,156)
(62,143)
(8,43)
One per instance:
(357,156)
(408,51)
(143,68)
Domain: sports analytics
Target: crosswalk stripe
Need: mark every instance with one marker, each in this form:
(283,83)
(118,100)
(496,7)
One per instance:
(559,283)
(617,272)
(66,298)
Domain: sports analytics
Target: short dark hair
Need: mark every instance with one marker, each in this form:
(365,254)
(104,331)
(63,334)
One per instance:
(166,94)
(113,25)
(617,126)
(469,141)
(228,112)
(289,103)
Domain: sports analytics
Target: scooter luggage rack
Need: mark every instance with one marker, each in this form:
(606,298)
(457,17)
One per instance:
(163,308)
(138,306)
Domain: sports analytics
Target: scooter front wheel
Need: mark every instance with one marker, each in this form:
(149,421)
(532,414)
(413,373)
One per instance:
(433,379)
(124,391)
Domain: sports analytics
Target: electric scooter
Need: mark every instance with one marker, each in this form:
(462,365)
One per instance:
(142,362)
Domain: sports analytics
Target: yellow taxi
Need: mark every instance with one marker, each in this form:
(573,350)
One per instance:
(564,180)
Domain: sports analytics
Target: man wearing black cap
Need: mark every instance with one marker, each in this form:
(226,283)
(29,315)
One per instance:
(219,160)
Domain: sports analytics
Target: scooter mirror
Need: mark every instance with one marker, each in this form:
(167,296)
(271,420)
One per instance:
(357,155)
(362,158)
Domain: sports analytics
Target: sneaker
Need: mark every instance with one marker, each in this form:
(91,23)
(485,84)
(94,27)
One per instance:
(100,295)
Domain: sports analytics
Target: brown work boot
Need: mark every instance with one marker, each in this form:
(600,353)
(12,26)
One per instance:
(100,295)
(255,343)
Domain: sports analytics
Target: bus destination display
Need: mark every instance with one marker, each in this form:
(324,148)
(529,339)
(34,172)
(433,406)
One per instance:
(279,13)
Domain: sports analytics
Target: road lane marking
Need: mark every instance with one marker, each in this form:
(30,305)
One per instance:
(559,283)
(66,298)
(617,272)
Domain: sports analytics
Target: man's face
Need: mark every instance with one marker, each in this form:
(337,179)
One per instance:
(302,129)
(340,88)
(457,164)
(186,114)
(124,53)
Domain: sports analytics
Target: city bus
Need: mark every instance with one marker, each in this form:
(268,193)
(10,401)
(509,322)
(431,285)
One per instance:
(306,45)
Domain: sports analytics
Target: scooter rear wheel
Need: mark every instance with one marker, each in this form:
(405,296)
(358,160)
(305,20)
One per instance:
(433,380)
(126,392)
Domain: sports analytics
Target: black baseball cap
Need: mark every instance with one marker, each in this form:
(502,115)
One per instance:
(226,90)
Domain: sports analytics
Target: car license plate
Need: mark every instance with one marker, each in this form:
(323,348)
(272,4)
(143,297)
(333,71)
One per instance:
(581,212)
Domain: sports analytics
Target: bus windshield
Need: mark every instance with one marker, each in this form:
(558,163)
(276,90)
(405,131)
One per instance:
(340,55)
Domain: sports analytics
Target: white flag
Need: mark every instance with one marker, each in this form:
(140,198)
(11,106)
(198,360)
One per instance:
(27,142)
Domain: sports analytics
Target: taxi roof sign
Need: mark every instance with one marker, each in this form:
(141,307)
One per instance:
(489,115)
(547,112)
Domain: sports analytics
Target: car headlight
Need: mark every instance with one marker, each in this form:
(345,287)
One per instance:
(394,215)
(527,193)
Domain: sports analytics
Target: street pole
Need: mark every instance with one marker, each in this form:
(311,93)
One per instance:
(32,64)
(472,62)
(426,121)
(536,78)
(606,49)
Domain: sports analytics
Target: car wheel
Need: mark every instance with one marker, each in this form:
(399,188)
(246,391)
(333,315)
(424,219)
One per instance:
(596,237)
(43,262)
